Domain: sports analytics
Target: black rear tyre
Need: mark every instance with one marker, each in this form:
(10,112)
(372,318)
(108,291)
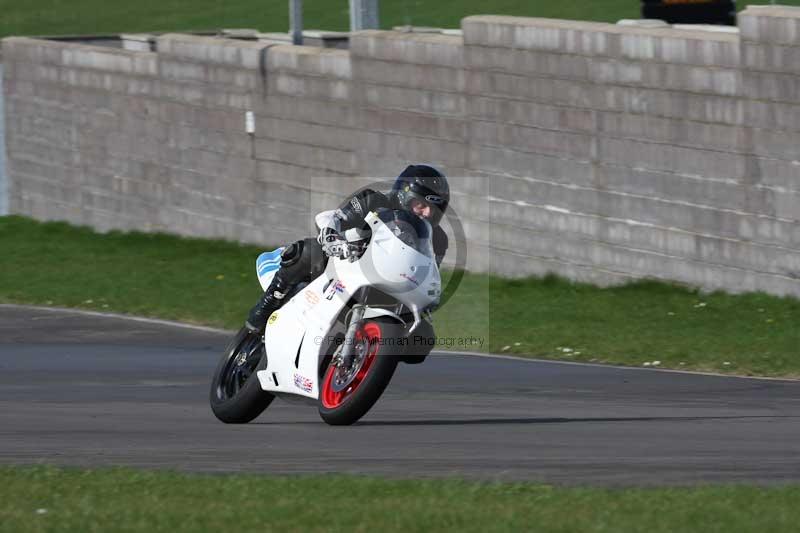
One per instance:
(236,395)
(348,394)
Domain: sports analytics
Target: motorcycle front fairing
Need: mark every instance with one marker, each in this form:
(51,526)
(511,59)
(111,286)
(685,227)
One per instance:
(298,334)
(400,261)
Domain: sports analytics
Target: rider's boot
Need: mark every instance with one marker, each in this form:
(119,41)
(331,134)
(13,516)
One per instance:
(271,301)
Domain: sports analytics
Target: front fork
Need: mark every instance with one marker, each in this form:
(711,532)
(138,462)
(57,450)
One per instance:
(345,356)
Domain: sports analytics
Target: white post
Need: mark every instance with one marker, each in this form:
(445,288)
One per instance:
(364,15)
(296,21)
(355,15)
(371,15)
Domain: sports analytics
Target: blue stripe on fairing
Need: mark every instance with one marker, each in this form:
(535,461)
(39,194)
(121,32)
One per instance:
(269,257)
(268,268)
(276,261)
(275,264)
(263,273)
(269,261)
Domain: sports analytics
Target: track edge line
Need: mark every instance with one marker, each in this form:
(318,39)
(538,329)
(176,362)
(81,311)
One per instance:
(208,329)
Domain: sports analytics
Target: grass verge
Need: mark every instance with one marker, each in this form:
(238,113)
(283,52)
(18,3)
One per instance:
(45,499)
(214,283)
(58,17)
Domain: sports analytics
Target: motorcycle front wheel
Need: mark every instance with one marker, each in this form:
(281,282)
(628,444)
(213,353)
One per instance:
(349,391)
(236,395)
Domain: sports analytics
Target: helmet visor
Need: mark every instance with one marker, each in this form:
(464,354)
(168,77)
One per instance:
(433,208)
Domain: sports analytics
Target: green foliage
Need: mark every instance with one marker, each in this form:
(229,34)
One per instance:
(214,283)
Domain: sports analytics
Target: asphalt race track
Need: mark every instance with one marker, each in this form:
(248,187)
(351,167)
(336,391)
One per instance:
(98,391)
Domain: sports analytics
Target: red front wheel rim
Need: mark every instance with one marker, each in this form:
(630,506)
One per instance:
(331,399)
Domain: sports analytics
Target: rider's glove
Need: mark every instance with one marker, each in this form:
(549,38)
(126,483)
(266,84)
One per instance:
(333,244)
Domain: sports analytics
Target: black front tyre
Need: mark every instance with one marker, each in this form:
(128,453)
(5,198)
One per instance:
(236,395)
(346,394)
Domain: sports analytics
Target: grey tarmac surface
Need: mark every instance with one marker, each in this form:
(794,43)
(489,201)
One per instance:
(100,391)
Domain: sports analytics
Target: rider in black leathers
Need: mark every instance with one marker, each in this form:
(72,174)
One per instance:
(420,189)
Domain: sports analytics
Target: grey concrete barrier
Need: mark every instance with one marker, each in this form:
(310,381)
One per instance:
(601,152)
(3,175)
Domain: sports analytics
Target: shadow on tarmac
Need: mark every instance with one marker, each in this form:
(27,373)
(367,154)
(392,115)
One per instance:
(516,421)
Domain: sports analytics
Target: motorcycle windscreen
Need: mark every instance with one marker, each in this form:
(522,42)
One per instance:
(400,259)
(413,231)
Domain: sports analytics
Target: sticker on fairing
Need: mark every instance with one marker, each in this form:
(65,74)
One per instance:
(303,383)
(412,279)
(336,287)
(312,298)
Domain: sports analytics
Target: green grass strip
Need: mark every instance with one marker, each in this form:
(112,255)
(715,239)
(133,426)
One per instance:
(60,17)
(50,499)
(214,283)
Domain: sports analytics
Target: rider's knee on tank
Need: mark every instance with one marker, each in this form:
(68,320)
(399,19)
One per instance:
(291,254)
(302,261)
(317,260)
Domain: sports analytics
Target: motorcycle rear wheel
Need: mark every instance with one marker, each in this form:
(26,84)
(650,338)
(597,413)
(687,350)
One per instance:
(346,395)
(236,395)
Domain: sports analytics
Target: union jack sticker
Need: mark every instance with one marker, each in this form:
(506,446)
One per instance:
(303,383)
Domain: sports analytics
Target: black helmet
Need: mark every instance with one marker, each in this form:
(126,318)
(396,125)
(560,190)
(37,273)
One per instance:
(424,183)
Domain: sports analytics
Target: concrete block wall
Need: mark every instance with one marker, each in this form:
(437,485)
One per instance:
(619,152)
(3,175)
(600,152)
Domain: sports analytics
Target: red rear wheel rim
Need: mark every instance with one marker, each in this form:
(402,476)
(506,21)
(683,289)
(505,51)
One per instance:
(331,399)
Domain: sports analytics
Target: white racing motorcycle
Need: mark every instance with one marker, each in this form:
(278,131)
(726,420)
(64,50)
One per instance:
(337,341)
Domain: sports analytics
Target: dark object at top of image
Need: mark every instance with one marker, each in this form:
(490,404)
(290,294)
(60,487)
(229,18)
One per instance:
(691,11)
